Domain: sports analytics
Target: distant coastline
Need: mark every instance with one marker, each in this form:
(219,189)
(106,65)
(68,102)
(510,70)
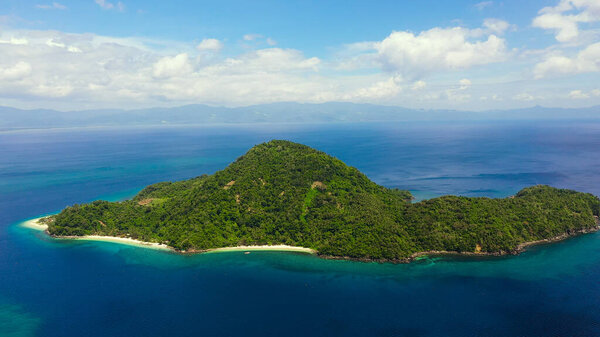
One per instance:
(12,119)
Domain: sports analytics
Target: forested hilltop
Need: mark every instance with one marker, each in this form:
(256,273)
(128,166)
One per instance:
(286,193)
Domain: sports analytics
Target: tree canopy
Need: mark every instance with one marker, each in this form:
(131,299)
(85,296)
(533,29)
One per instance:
(282,192)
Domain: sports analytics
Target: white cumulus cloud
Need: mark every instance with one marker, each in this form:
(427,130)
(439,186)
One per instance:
(71,71)
(15,72)
(269,60)
(382,89)
(76,69)
(586,61)
(564,18)
(419,85)
(464,83)
(415,55)
(210,45)
(14,41)
(496,26)
(172,66)
(578,94)
(52,43)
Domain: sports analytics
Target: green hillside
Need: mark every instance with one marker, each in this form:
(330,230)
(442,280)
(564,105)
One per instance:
(286,193)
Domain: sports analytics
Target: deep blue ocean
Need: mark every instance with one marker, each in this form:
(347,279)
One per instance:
(63,288)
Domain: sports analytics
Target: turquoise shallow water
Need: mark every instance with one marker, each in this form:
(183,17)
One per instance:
(54,287)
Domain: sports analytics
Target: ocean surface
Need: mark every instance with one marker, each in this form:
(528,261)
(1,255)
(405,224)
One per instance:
(64,288)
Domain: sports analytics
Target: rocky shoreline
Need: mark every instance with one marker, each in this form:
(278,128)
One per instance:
(519,249)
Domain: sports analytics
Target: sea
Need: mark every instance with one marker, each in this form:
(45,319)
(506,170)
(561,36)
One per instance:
(63,288)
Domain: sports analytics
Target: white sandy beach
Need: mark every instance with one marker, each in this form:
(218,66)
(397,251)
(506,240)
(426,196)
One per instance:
(154,245)
(285,248)
(114,239)
(35,224)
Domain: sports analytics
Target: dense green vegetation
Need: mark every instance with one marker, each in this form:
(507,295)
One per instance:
(286,193)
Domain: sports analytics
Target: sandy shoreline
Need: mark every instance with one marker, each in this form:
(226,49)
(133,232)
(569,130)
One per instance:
(114,239)
(36,225)
(282,248)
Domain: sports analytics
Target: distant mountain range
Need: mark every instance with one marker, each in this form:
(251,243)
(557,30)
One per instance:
(12,118)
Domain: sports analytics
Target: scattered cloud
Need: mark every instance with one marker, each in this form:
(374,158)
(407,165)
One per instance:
(54,5)
(382,89)
(444,67)
(571,21)
(109,5)
(581,94)
(494,97)
(578,94)
(104,4)
(15,72)
(359,55)
(172,66)
(258,39)
(458,93)
(586,61)
(270,60)
(252,37)
(564,19)
(419,85)
(72,49)
(51,43)
(129,71)
(497,26)
(14,41)
(526,97)
(416,55)
(465,83)
(212,45)
(483,5)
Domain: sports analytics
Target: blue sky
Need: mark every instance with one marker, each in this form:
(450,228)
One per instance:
(424,54)
(311,26)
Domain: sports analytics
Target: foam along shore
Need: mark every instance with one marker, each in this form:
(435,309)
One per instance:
(37,225)
(283,248)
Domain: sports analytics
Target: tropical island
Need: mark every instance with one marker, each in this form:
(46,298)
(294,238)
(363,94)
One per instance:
(284,194)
